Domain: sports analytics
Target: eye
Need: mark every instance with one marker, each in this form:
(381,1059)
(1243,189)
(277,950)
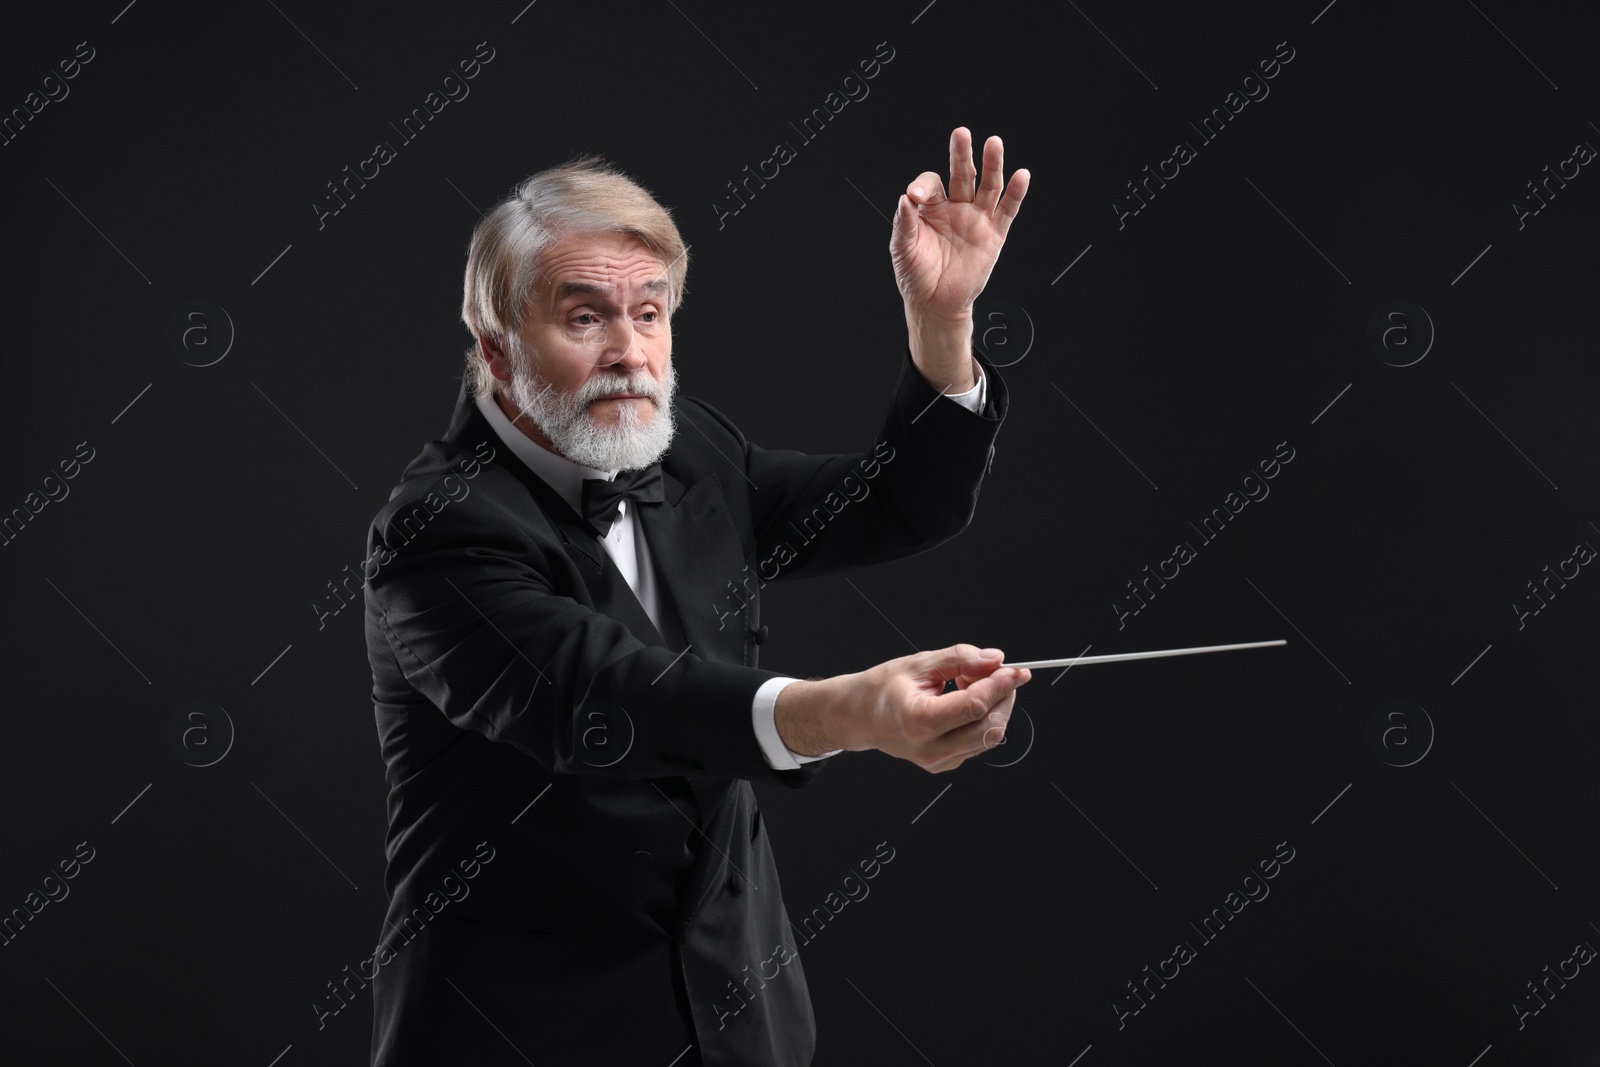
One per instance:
(583,315)
(652,315)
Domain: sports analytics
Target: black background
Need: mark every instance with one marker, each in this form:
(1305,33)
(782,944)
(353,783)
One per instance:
(1222,320)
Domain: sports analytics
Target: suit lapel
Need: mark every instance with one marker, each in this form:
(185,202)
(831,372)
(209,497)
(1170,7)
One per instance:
(690,534)
(695,551)
(608,589)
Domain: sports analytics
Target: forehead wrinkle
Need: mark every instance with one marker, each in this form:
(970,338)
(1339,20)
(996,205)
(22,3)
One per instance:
(569,287)
(599,261)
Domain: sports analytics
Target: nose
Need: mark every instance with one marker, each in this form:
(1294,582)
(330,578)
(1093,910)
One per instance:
(620,345)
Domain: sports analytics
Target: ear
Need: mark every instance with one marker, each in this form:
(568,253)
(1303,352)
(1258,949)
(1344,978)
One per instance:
(498,358)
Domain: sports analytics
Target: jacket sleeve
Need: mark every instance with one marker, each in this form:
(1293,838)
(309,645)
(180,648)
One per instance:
(915,488)
(468,611)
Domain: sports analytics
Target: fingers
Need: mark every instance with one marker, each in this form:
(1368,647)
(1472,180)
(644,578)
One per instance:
(926,188)
(990,193)
(962,172)
(935,730)
(957,660)
(989,187)
(987,194)
(973,739)
(952,711)
(1011,203)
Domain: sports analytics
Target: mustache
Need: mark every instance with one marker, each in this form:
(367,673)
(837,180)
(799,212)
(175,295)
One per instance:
(596,388)
(592,391)
(642,383)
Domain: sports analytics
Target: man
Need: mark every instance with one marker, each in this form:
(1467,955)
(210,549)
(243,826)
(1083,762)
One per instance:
(570,714)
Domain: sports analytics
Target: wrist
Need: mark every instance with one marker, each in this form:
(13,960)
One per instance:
(929,322)
(941,350)
(812,716)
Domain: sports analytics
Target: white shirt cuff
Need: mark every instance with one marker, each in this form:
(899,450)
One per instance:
(972,399)
(764,707)
(763,714)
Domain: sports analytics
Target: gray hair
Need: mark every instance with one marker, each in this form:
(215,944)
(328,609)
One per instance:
(587,195)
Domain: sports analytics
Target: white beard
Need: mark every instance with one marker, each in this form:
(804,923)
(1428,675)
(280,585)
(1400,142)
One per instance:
(565,419)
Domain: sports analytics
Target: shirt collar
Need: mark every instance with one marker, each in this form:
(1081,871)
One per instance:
(559,472)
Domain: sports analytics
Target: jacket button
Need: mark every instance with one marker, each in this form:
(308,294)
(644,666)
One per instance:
(734,887)
(759,635)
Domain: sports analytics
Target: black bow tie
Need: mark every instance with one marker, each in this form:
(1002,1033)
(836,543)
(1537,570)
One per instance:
(601,496)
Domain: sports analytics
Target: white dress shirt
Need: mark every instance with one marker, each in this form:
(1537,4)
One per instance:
(625,544)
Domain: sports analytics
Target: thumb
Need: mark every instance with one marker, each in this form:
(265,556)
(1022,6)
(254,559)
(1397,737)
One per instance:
(904,233)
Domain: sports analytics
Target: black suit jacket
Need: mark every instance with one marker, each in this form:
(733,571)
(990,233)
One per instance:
(577,871)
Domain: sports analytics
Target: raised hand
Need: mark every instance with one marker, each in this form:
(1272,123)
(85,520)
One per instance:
(945,244)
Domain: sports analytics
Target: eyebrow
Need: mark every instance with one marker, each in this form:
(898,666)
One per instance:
(656,286)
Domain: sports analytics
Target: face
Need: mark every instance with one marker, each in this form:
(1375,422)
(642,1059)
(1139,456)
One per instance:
(589,375)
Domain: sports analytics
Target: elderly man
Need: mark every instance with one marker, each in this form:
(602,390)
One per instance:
(577,871)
